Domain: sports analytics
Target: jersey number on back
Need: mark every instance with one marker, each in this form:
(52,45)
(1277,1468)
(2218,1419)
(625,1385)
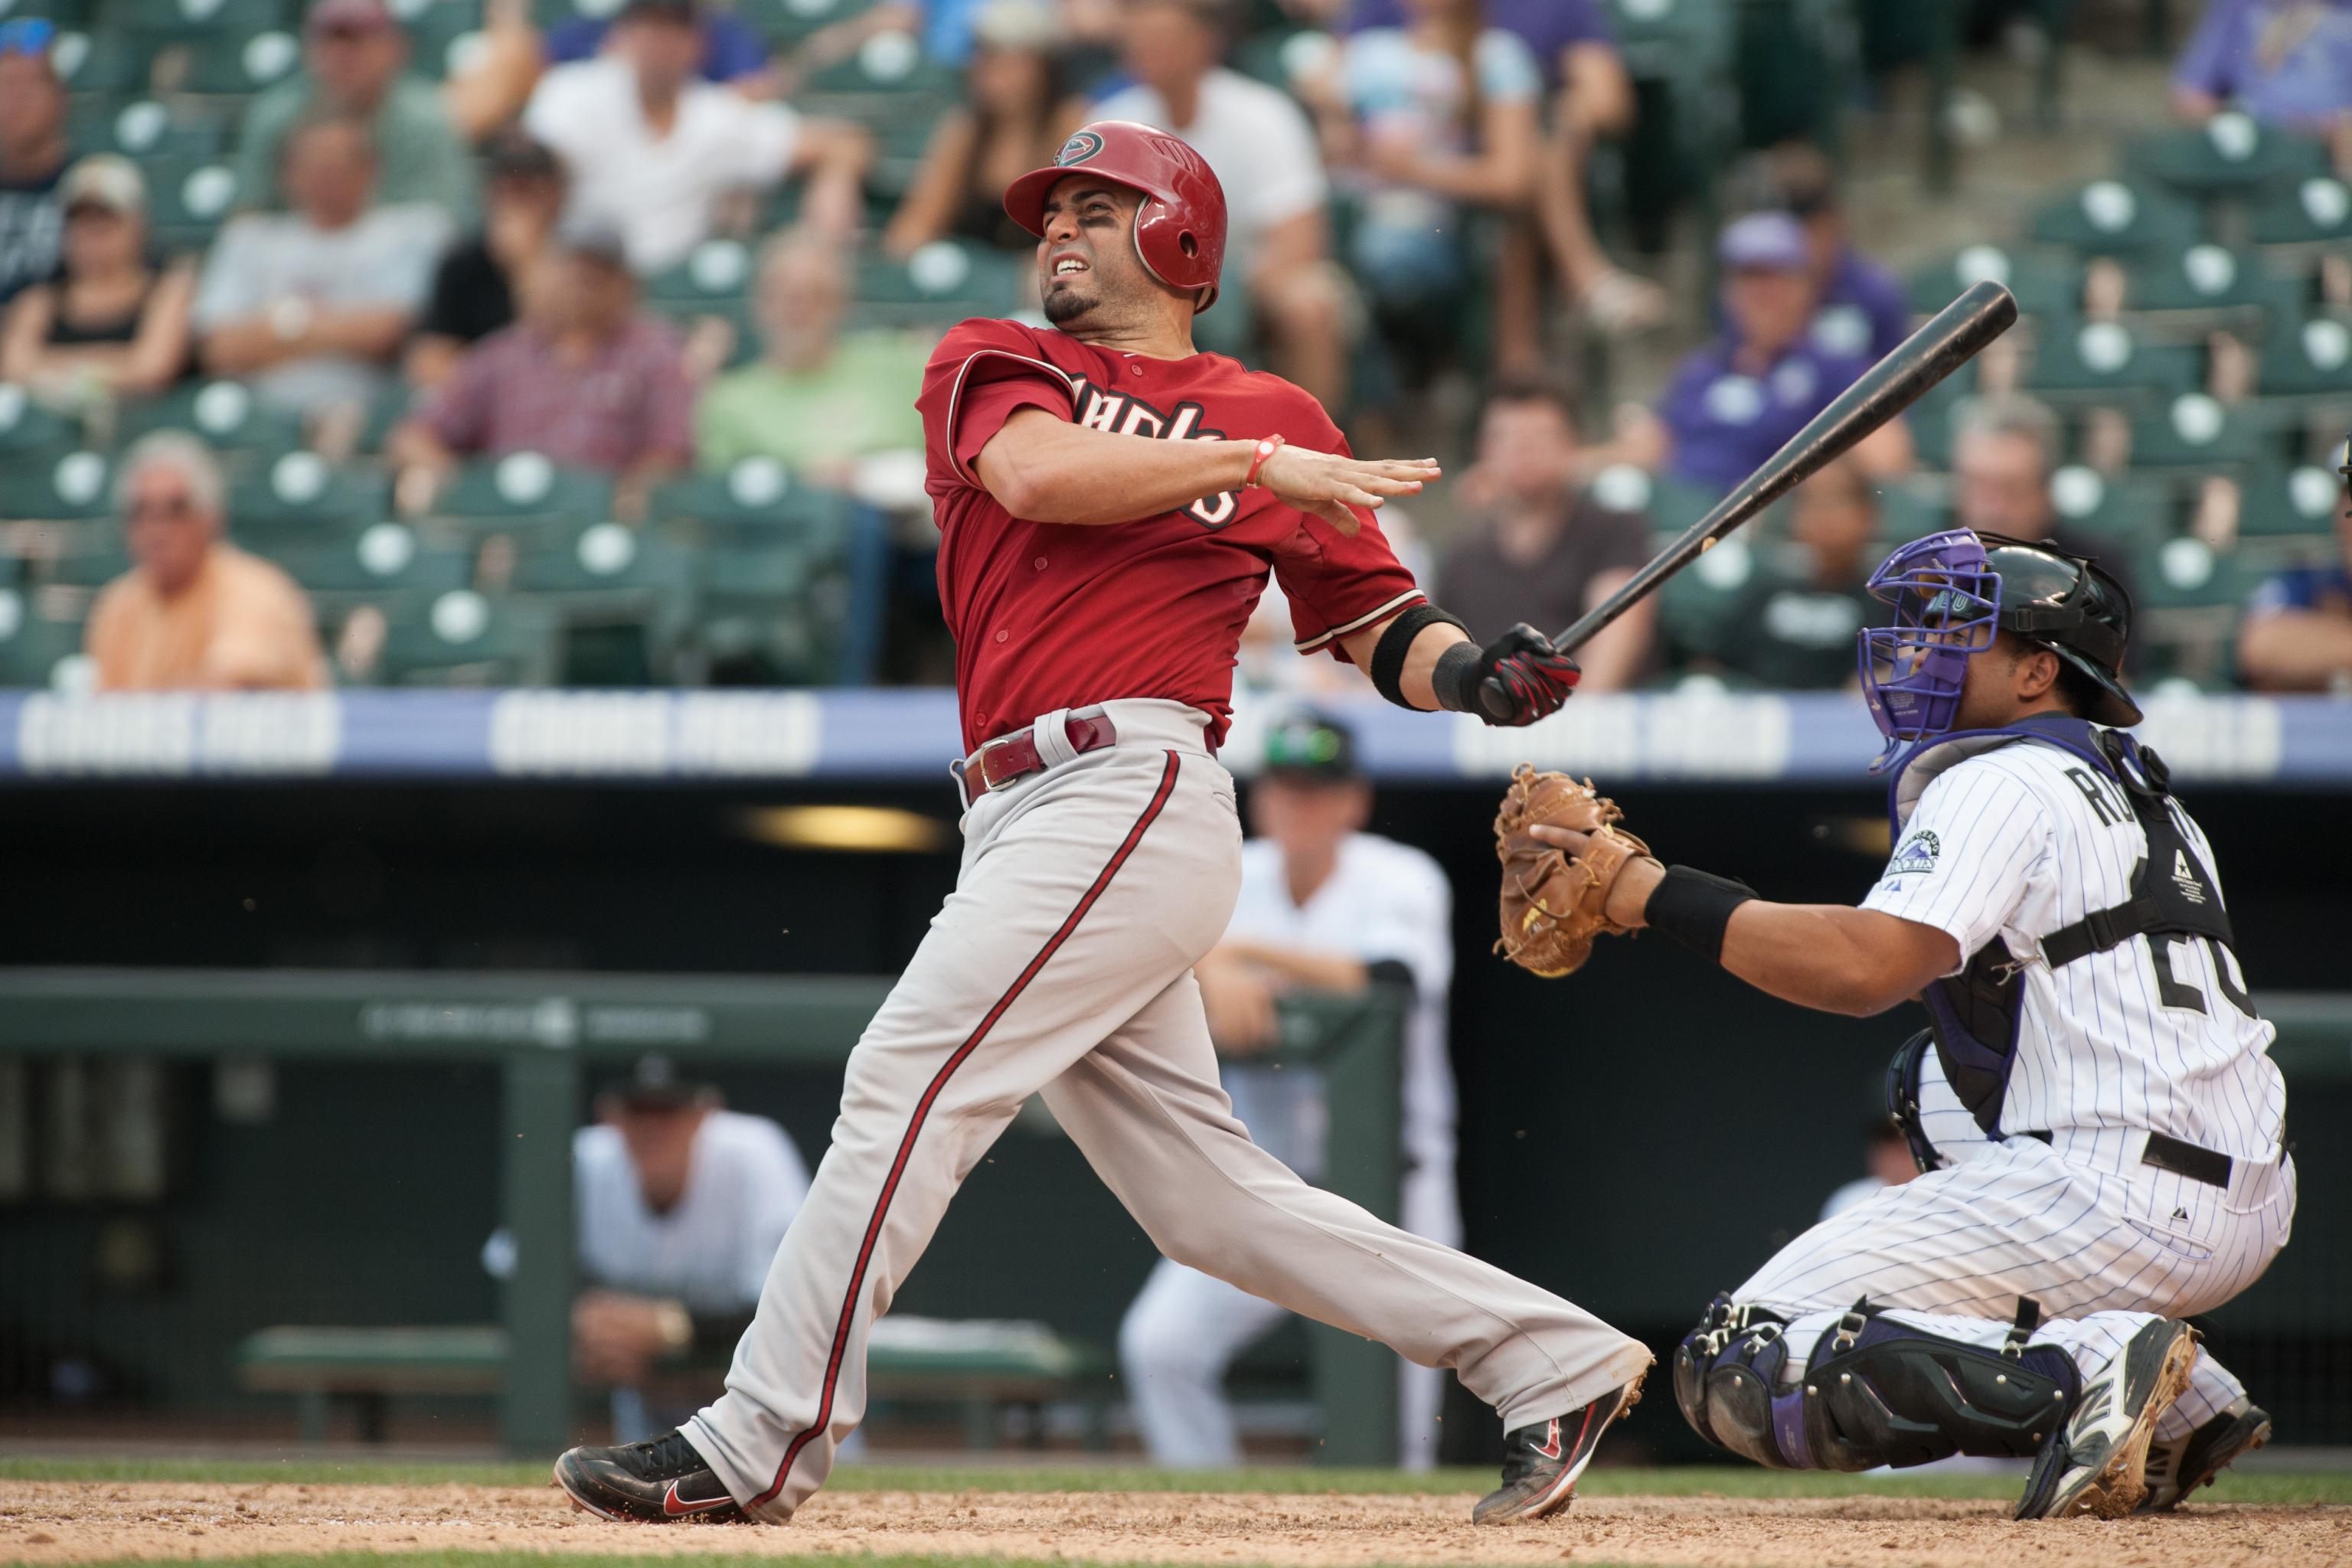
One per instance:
(2175,992)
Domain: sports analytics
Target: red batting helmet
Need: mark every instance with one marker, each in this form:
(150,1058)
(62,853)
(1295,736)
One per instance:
(1180,229)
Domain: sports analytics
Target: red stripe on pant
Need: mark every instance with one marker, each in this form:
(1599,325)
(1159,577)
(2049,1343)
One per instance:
(923,1110)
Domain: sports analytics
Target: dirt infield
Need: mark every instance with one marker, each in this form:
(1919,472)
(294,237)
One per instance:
(68,1522)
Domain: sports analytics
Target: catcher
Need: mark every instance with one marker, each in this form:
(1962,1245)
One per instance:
(2098,1120)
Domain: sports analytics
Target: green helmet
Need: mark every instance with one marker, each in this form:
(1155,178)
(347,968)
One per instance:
(2065,603)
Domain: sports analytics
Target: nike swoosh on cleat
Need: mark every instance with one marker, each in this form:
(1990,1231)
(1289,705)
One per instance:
(677,1506)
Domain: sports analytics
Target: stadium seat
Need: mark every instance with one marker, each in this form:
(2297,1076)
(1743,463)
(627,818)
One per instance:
(2203,277)
(224,413)
(384,561)
(785,23)
(188,200)
(755,500)
(524,487)
(301,491)
(945,282)
(2123,512)
(1934,419)
(2116,217)
(463,638)
(2309,359)
(63,12)
(101,561)
(35,652)
(717,275)
(2316,212)
(2230,154)
(100,61)
(885,66)
(2186,573)
(2042,287)
(2196,431)
(238,65)
(759,612)
(440,32)
(623,599)
(142,129)
(28,428)
(200,18)
(2106,361)
(2285,502)
(72,487)
(1693,605)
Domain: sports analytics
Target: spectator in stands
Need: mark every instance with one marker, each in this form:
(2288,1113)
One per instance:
(585,378)
(1733,403)
(112,323)
(1016,114)
(1537,546)
(194,613)
(1887,1162)
(1863,309)
(1794,624)
(34,153)
(657,153)
(1262,147)
(1591,96)
(497,80)
(474,289)
(1427,123)
(312,306)
(2298,635)
(355,66)
(819,399)
(2003,456)
(2288,63)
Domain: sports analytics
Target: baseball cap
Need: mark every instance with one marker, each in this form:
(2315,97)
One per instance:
(348,17)
(1308,744)
(517,155)
(105,180)
(1015,25)
(28,36)
(656,1084)
(594,239)
(1772,242)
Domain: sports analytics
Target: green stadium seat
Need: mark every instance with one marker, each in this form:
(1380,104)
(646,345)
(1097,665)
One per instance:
(189,199)
(2125,511)
(35,654)
(2106,361)
(1934,419)
(2309,359)
(760,611)
(385,560)
(241,64)
(2202,278)
(754,501)
(1693,605)
(463,638)
(28,429)
(2186,573)
(2230,154)
(301,491)
(887,66)
(224,413)
(717,276)
(2288,503)
(142,128)
(200,18)
(442,34)
(2116,217)
(92,568)
(1909,510)
(548,12)
(945,282)
(73,487)
(100,61)
(2044,286)
(2316,212)
(63,12)
(623,599)
(2199,431)
(523,487)
(786,23)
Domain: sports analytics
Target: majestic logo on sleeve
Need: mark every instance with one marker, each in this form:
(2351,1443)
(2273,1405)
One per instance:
(1917,854)
(1122,415)
(1077,149)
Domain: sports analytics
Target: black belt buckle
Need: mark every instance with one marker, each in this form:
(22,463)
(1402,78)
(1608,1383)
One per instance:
(2185,1159)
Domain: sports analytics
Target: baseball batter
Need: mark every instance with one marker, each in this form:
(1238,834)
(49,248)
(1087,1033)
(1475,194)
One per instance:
(2099,1120)
(1110,504)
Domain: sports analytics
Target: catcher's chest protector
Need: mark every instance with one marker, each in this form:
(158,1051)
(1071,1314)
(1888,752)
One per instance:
(1977,1013)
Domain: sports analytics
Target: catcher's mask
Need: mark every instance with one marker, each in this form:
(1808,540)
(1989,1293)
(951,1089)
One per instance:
(1947,602)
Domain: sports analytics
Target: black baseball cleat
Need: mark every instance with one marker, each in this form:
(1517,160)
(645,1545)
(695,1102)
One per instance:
(2096,1462)
(662,1481)
(2177,1468)
(1541,1462)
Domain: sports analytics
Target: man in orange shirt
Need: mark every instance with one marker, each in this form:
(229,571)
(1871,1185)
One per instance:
(195,612)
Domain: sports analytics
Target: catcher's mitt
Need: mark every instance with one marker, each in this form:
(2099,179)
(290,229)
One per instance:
(1553,906)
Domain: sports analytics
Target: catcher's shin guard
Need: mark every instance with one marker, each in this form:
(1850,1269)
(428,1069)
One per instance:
(1874,1391)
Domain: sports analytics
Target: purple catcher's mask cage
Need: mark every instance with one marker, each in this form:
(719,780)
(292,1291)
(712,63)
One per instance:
(1946,606)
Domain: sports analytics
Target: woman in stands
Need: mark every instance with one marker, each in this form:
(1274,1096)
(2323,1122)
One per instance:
(114,321)
(1019,112)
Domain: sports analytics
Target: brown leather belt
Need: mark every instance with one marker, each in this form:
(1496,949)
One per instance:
(1010,757)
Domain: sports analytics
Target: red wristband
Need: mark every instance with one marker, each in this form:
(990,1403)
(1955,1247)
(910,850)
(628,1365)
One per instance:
(1267,448)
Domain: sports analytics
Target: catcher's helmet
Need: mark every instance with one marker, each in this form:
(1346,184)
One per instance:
(2067,605)
(1180,229)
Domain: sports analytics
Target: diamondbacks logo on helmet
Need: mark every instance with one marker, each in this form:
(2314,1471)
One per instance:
(1081,146)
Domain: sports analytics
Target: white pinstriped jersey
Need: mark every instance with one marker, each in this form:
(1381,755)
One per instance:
(2021,838)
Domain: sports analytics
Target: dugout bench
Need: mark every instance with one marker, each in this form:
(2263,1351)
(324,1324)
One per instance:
(545,1030)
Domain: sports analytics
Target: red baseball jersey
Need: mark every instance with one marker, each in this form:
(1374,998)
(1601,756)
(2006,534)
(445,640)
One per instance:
(1049,616)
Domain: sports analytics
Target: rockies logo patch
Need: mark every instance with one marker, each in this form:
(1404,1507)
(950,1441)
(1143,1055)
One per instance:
(1080,147)
(1917,854)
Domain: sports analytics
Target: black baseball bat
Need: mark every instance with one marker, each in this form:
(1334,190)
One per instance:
(1885,390)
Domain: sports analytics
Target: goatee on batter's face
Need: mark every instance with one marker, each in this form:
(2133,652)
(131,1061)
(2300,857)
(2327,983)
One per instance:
(1087,259)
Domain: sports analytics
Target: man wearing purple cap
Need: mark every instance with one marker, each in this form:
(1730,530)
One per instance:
(356,63)
(1738,400)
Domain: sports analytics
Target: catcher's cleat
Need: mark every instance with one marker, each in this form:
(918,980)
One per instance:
(1541,1462)
(2192,1460)
(662,1481)
(2096,1462)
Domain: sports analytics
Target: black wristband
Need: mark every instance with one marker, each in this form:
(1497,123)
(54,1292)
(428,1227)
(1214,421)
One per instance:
(1455,680)
(1388,653)
(1693,907)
